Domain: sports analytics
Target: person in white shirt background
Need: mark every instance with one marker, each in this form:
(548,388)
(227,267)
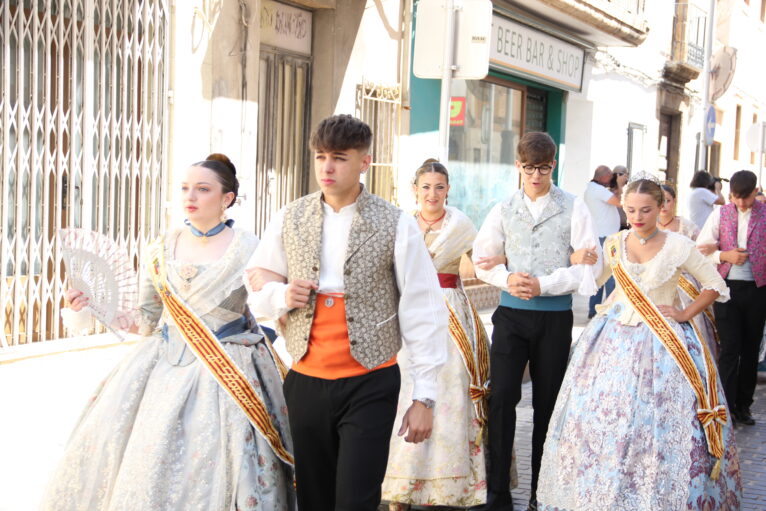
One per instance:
(350,277)
(537,229)
(603,205)
(705,195)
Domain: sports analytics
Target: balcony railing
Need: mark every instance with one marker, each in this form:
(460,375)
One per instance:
(688,47)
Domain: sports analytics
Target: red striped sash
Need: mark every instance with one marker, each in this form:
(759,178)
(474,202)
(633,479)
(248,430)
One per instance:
(203,342)
(476,362)
(692,292)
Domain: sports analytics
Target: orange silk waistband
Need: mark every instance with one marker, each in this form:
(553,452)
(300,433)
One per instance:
(329,351)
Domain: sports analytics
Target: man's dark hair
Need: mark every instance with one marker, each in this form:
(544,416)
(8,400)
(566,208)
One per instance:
(702,179)
(340,133)
(742,183)
(536,147)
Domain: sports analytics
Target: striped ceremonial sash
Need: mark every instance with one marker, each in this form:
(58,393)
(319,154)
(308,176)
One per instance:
(710,413)
(203,342)
(476,363)
(692,292)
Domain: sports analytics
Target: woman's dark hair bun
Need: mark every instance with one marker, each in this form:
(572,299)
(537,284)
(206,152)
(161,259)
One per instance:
(429,161)
(224,170)
(223,159)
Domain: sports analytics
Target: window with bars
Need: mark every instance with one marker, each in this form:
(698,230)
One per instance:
(380,107)
(83,143)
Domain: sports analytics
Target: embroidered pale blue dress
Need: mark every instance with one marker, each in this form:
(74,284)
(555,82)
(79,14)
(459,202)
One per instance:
(624,434)
(160,433)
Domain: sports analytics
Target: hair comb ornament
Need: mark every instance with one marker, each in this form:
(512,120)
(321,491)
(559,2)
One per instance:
(638,176)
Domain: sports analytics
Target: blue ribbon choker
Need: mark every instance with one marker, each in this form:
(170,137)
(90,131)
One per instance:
(212,232)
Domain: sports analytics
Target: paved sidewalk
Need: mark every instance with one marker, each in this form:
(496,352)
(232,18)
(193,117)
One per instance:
(751,445)
(751,440)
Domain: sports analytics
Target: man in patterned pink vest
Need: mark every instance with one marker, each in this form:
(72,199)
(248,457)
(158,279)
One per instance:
(739,231)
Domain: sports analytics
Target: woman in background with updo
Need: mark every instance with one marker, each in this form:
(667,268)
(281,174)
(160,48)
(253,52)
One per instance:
(688,287)
(448,469)
(641,420)
(161,433)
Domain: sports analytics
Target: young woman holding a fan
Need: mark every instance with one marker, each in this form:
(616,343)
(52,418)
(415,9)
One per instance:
(194,417)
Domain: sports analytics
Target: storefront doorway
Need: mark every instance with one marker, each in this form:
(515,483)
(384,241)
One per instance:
(488,118)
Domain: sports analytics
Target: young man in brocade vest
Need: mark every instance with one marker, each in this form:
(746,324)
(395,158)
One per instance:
(351,277)
(739,231)
(537,229)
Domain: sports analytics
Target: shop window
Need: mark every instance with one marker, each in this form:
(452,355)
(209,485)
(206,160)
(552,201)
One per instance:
(482,144)
(536,111)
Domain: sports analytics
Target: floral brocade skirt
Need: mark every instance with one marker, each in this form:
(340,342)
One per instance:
(449,469)
(624,434)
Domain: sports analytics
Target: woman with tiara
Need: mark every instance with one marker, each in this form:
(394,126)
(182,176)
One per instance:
(688,287)
(641,420)
(194,416)
(449,468)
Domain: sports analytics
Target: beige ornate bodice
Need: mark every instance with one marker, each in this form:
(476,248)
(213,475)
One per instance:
(452,266)
(214,291)
(658,277)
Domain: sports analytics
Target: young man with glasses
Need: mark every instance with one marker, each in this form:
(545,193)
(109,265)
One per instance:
(537,229)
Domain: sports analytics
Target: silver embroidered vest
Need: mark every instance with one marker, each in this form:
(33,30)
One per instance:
(371,293)
(542,246)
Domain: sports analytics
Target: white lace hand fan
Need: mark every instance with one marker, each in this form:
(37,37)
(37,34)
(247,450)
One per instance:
(101,269)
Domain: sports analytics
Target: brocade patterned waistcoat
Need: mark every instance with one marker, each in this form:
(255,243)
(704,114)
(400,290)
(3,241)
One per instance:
(542,246)
(756,239)
(371,293)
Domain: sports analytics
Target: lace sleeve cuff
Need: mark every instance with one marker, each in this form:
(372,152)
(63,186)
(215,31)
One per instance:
(722,290)
(77,322)
(146,323)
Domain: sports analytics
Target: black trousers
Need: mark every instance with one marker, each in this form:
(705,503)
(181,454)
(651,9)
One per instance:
(341,430)
(740,327)
(543,338)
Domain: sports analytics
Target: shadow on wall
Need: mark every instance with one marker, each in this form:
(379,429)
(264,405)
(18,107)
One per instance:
(229,31)
(335,31)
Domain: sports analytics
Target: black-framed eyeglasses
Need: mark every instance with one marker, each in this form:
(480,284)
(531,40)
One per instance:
(544,170)
(620,173)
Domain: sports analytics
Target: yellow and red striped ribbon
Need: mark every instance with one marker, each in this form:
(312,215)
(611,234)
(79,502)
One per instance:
(692,292)
(476,363)
(710,413)
(203,342)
